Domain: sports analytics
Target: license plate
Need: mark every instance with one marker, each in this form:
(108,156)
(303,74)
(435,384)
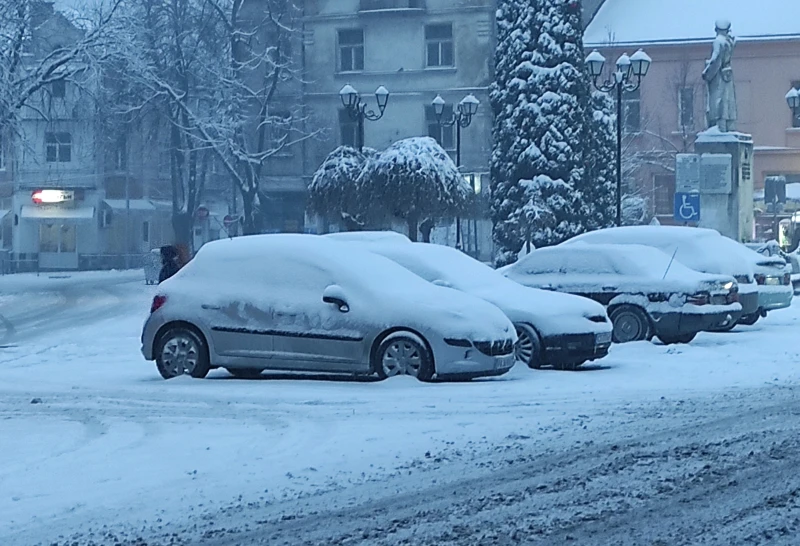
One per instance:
(505,362)
(603,339)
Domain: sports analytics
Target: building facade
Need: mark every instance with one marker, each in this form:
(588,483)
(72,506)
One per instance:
(417,49)
(663,117)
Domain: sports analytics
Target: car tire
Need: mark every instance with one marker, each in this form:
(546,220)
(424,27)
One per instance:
(528,348)
(630,324)
(749,320)
(245,373)
(182,351)
(403,353)
(678,338)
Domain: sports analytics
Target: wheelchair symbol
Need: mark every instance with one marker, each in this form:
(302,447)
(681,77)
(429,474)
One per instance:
(686,210)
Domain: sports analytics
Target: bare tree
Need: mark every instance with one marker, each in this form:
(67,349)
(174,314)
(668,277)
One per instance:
(35,52)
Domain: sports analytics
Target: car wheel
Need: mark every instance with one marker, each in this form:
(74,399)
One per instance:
(245,373)
(403,353)
(528,349)
(749,320)
(181,351)
(679,338)
(630,324)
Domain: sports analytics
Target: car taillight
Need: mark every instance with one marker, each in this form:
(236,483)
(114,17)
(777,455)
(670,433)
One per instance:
(698,299)
(158,302)
(761,279)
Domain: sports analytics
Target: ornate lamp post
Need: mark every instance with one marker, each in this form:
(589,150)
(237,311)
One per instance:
(358,111)
(627,77)
(461,119)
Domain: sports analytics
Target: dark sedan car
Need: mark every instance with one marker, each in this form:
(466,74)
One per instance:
(646,292)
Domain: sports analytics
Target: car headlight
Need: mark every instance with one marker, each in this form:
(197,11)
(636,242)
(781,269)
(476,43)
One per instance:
(728,285)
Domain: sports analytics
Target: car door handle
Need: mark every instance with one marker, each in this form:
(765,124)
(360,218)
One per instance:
(209,306)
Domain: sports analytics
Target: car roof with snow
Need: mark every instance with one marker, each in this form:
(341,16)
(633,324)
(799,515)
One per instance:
(369,236)
(289,255)
(698,248)
(606,259)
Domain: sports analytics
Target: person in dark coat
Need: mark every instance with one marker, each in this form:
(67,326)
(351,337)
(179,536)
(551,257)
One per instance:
(169,263)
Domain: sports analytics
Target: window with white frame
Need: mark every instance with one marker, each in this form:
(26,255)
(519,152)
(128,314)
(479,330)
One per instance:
(351,50)
(280,132)
(796,113)
(439,50)
(58,89)
(58,147)
(632,108)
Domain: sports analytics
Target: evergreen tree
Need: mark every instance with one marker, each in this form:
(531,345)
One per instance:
(540,99)
(333,194)
(599,189)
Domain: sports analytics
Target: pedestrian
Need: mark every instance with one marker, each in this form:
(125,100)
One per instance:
(169,262)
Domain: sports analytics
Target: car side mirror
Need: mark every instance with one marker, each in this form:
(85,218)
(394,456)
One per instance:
(335,296)
(443,284)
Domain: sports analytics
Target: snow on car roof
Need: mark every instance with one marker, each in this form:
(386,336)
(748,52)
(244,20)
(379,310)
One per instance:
(369,236)
(438,262)
(630,260)
(698,248)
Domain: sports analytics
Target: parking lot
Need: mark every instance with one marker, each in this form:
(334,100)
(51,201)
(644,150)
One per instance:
(93,437)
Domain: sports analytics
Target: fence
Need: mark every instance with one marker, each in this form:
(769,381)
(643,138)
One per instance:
(29,263)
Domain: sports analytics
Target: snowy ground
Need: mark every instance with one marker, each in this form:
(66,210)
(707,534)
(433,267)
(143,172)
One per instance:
(96,448)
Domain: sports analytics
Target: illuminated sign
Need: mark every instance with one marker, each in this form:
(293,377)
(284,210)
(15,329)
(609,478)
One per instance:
(52,196)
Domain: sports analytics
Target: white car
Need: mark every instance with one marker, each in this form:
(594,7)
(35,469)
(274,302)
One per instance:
(646,292)
(703,250)
(554,329)
(306,303)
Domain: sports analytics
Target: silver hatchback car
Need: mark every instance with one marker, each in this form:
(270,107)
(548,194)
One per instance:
(307,303)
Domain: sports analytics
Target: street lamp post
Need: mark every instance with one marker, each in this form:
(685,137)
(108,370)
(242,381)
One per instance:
(358,111)
(461,119)
(627,77)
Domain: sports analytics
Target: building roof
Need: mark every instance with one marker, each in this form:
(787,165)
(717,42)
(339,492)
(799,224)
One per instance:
(632,22)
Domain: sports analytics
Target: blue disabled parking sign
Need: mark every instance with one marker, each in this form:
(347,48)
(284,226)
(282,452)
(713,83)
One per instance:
(687,207)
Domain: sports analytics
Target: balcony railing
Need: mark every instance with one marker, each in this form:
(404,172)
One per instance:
(391,5)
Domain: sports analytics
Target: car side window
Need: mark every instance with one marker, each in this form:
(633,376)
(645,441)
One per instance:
(288,274)
(590,263)
(544,264)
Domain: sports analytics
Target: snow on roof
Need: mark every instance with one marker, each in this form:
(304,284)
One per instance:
(369,236)
(792,193)
(699,248)
(673,21)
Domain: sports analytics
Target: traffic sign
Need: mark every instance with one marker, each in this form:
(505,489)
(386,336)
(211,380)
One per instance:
(687,207)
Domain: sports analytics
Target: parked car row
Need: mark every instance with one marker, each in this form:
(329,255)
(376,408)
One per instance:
(374,303)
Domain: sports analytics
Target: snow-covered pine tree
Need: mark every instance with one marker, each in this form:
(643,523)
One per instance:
(599,190)
(540,99)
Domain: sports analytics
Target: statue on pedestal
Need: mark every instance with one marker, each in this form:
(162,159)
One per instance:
(718,74)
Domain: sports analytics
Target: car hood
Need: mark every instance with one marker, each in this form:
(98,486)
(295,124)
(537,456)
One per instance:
(451,314)
(551,313)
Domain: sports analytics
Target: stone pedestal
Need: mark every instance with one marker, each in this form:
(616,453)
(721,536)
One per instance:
(726,205)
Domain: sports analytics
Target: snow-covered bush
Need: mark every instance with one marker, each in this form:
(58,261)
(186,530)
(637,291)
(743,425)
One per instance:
(332,192)
(413,179)
(635,211)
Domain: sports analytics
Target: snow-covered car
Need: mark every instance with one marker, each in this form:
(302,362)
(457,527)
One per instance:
(703,250)
(307,303)
(369,236)
(646,292)
(554,329)
(773,249)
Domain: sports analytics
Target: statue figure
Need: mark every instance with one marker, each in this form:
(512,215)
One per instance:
(718,74)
